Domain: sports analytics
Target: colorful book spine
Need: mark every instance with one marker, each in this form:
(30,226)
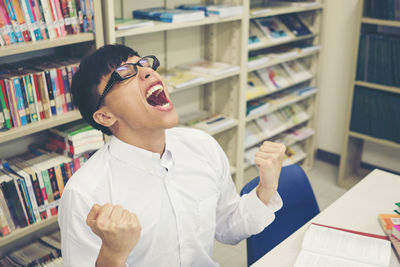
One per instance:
(25,99)
(20,101)
(74,16)
(60,83)
(60,17)
(67,89)
(38,14)
(50,93)
(16,121)
(5,106)
(13,19)
(33,27)
(36,96)
(34,113)
(6,27)
(56,91)
(48,18)
(21,21)
(66,16)
(44,96)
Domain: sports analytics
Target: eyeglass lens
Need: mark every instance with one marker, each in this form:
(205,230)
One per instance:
(129,70)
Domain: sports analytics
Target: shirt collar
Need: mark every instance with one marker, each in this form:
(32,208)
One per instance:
(141,158)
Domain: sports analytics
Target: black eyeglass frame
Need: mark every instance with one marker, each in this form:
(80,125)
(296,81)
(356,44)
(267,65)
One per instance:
(116,77)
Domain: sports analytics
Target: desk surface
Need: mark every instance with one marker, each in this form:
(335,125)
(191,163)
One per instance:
(357,209)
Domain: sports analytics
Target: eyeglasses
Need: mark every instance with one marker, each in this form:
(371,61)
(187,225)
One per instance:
(126,71)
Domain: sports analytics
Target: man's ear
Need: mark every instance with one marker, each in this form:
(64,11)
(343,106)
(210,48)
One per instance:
(104,117)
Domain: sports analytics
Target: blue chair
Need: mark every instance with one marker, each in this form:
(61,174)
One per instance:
(299,206)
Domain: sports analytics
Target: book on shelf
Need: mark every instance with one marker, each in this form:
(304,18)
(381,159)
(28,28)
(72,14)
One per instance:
(46,251)
(294,3)
(75,138)
(295,24)
(192,117)
(274,77)
(330,246)
(257,106)
(253,39)
(273,29)
(221,11)
(212,123)
(257,60)
(35,90)
(293,136)
(293,114)
(126,24)
(376,113)
(210,67)
(31,185)
(387,10)
(255,86)
(296,71)
(28,20)
(252,133)
(177,78)
(169,15)
(293,154)
(271,123)
(260,10)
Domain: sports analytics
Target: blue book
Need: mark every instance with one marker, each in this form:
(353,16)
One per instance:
(168,15)
(20,100)
(14,22)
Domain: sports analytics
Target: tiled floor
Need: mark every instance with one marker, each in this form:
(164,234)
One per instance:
(323,181)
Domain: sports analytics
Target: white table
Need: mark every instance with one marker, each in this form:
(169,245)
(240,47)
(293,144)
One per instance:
(357,209)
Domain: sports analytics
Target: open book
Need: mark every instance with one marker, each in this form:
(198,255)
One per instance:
(326,246)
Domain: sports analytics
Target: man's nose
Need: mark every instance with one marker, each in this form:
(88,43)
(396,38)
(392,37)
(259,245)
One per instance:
(145,72)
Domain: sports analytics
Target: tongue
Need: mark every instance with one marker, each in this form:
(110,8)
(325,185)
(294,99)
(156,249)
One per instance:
(157,100)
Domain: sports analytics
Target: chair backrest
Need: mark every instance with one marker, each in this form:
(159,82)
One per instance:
(299,206)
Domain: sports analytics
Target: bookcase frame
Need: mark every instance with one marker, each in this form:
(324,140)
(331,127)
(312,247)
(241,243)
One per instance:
(88,41)
(350,170)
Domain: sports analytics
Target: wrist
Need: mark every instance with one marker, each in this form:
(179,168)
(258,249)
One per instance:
(109,257)
(265,193)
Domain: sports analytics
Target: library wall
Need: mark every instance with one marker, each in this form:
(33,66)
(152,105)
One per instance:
(338,29)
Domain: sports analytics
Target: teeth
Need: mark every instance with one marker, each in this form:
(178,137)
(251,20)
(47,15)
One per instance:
(165,105)
(153,89)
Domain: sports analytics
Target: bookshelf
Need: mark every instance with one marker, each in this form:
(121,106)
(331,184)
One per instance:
(71,45)
(168,40)
(350,170)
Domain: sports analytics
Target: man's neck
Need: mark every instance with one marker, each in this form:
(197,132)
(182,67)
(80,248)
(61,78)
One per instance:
(151,140)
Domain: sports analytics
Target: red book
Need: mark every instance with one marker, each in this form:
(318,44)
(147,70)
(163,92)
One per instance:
(62,91)
(38,99)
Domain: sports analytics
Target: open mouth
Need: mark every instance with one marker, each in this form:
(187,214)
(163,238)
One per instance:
(156,97)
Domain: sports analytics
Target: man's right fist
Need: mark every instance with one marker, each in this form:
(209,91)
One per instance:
(118,228)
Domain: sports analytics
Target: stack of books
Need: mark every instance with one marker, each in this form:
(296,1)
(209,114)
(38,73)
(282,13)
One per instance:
(177,79)
(31,185)
(34,90)
(126,24)
(46,252)
(75,139)
(26,21)
(169,15)
(221,11)
(391,226)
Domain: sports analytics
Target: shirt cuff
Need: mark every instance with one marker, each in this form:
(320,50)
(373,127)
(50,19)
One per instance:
(262,215)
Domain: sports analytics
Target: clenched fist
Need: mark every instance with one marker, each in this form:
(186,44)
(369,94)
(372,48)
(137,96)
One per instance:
(269,161)
(119,231)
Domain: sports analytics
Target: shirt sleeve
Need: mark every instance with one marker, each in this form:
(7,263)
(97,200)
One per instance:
(240,217)
(79,245)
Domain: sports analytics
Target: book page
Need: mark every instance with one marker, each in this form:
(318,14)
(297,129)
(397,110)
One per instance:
(346,245)
(310,259)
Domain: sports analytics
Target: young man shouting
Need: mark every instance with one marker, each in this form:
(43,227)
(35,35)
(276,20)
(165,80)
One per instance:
(154,195)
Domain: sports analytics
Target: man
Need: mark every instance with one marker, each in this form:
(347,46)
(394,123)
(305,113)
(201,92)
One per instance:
(151,196)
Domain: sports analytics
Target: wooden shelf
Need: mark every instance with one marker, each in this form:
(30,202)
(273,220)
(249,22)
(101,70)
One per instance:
(274,11)
(375,140)
(207,79)
(381,22)
(35,127)
(43,44)
(165,26)
(225,128)
(281,89)
(282,60)
(275,108)
(263,45)
(26,232)
(380,87)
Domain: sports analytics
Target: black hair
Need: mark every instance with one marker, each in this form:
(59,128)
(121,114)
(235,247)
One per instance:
(92,69)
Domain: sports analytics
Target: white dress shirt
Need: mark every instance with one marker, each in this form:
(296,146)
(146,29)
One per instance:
(182,200)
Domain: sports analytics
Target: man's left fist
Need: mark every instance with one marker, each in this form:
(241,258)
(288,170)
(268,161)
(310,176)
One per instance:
(269,160)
